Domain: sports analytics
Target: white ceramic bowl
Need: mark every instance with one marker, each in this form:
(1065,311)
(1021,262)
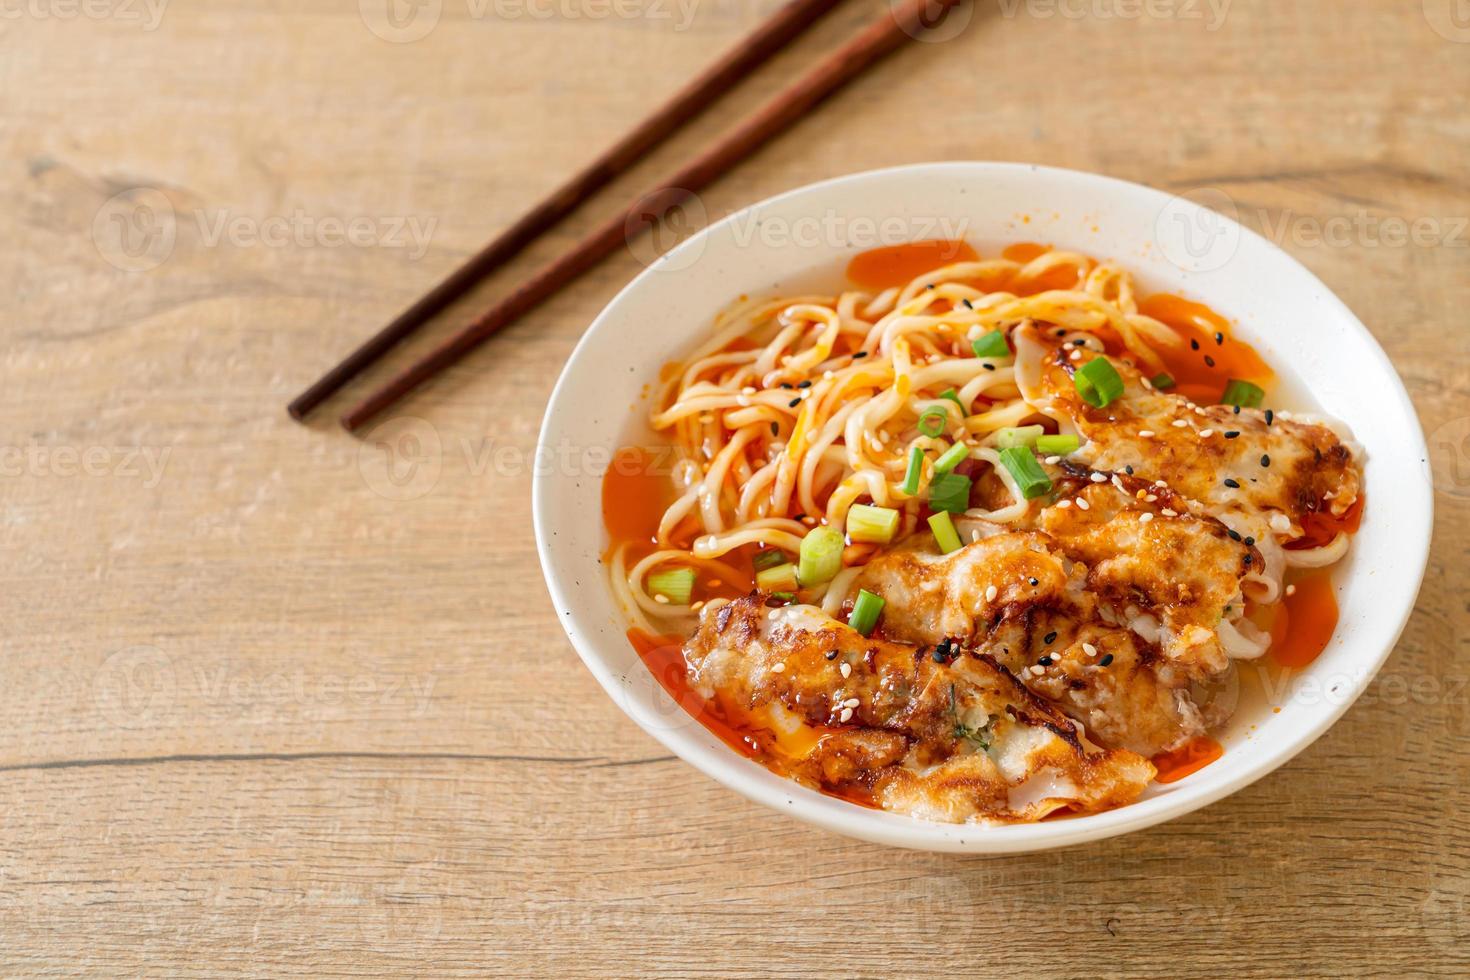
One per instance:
(1170,244)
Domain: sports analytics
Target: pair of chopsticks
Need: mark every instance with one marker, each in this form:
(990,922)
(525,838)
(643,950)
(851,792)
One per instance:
(905,19)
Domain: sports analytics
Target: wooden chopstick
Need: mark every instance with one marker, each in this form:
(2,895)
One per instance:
(774,34)
(908,18)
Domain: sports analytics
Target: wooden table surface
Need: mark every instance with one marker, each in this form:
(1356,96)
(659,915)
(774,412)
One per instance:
(271,708)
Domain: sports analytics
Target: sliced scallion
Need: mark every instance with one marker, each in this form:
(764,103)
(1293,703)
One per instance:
(1162,381)
(675,585)
(1057,445)
(1029,475)
(782,578)
(1098,382)
(1023,435)
(1242,393)
(872,525)
(950,492)
(945,535)
(952,457)
(865,612)
(992,344)
(769,558)
(933,421)
(953,396)
(914,473)
(821,556)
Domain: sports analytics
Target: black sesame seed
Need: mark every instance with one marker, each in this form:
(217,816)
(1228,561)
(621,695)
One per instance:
(988,366)
(775,428)
(799,517)
(1237,411)
(1265,459)
(831,654)
(1128,469)
(805,384)
(1233,434)
(1209,361)
(1050,637)
(1219,338)
(1234,535)
(1044,662)
(793,403)
(938,656)
(1270,415)
(1061,333)
(1034,581)
(860,355)
(1233,484)
(786,385)
(929,285)
(1194,345)
(967,304)
(1247,559)
(1107,659)
(1250,541)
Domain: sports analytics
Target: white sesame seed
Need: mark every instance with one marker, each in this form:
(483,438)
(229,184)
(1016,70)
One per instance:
(697,606)
(1150,497)
(1180,423)
(1081,504)
(846,669)
(1169,513)
(1089,649)
(660,597)
(974,333)
(747,390)
(991,593)
(1099,478)
(1199,411)
(1063,504)
(975,535)
(779,668)
(1160,483)
(1206,433)
(846,715)
(851,703)
(1291,590)
(1076,355)
(1145,517)
(1147,383)
(1280,523)
(1053,460)
(1146,433)
(828,375)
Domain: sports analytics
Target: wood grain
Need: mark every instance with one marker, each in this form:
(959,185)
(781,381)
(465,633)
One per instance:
(266,713)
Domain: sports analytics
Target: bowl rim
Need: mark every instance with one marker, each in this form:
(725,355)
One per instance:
(722,764)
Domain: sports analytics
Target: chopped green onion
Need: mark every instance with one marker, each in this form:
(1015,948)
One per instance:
(675,585)
(914,473)
(782,578)
(933,421)
(945,535)
(784,596)
(991,345)
(1162,381)
(865,612)
(949,492)
(1242,393)
(873,525)
(1024,435)
(952,457)
(953,396)
(1098,382)
(1057,445)
(1029,475)
(821,556)
(769,558)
